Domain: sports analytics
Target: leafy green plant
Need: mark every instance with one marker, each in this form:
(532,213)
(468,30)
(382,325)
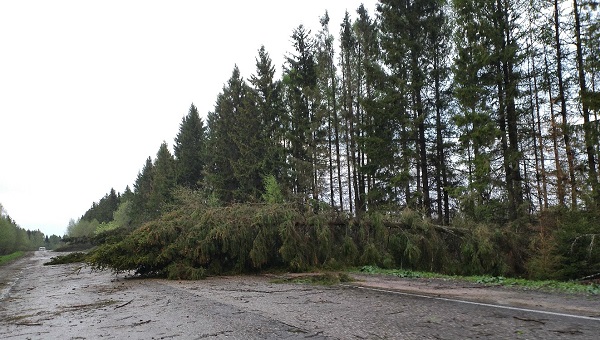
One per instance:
(491,280)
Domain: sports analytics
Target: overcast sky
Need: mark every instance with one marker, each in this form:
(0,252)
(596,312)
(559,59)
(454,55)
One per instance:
(90,89)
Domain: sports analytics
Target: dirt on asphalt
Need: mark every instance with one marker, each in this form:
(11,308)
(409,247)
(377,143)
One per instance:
(72,302)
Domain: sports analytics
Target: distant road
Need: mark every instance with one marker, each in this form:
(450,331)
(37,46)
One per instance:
(70,302)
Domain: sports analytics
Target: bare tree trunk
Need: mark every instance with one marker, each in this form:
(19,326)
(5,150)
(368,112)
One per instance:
(330,143)
(540,161)
(443,208)
(590,141)
(338,162)
(563,107)
(560,187)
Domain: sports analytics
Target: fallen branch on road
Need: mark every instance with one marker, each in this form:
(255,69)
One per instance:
(125,304)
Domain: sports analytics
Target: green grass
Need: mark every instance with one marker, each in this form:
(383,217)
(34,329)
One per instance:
(546,285)
(543,285)
(4,259)
(398,272)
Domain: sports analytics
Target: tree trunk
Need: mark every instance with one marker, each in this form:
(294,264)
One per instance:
(563,108)
(590,141)
(441,170)
(560,187)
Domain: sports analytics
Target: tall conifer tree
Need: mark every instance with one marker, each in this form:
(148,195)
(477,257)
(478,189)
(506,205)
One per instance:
(410,39)
(269,107)
(163,181)
(300,80)
(371,119)
(142,190)
(247,134)
(189,150)
(222,149)
(328,85)
(485,72)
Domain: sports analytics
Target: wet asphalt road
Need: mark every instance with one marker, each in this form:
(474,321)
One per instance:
(70,302)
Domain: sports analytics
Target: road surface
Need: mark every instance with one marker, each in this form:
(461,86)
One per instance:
(71,302)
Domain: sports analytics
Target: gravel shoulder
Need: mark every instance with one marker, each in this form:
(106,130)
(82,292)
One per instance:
(71,302)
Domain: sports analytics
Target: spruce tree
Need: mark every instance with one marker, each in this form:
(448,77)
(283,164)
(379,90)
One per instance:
(142,190)
(163,182)
(269,108)
(370,119)
(127,195)
(153,188)
(103,210)
(407,30)
(487,88)
(328,87)
(247,134)
(222,149)
(438,50)
(189,150)
(348,98)
(300,81)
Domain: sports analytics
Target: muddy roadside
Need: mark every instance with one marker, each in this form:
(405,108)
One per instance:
(72,302)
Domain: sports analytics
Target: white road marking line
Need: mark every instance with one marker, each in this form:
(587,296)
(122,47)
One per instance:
(475,303)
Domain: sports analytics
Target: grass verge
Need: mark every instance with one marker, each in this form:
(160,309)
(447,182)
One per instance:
(545,285)
(4,259)
(572,287)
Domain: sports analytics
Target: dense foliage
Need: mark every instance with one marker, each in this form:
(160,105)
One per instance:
(458,136)
(195,239)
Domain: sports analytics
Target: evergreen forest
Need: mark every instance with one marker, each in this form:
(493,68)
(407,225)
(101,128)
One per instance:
(460,137)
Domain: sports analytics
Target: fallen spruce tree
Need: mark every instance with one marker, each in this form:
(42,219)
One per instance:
(194,239)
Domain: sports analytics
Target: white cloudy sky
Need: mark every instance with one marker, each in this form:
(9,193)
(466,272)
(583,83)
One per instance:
(90,89)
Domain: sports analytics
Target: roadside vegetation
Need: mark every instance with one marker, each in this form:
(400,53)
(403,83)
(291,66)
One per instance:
(585,287)
(4,259)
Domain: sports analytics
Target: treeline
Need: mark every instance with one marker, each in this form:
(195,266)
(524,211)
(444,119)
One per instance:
(14,238)
(110,212)
(478,111)
(480,108)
